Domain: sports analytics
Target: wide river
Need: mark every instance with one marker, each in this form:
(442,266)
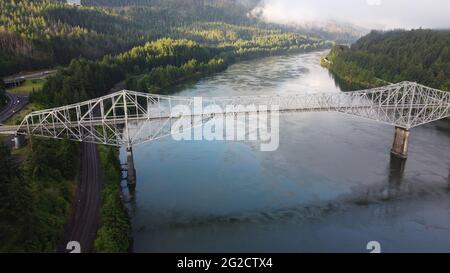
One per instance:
(331,186)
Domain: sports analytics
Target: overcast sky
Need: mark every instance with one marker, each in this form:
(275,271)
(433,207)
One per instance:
(384,14)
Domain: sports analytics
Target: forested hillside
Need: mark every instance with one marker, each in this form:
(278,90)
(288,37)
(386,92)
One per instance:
(36,195)
(421,56)
(46,33)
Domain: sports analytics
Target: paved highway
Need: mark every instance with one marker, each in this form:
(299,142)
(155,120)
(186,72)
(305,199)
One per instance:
(30,76)
(15,104)
(18,101)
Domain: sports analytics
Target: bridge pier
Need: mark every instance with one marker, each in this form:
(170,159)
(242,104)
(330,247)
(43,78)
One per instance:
(400,145)
(19,141)
(395,178)
(131,171)
(396,170)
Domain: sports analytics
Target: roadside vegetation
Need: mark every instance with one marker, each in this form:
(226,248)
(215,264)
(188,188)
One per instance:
(421,56)
(19,116)
(3,97)
(28,86)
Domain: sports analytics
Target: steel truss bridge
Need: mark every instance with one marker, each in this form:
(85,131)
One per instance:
(129,118)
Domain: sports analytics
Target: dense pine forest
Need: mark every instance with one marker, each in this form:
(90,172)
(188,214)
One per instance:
(36,195)
(3,98)
(46,33)
(421,56)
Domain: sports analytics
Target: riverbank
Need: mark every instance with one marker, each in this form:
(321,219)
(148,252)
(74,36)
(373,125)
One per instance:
(160,79)
(115,232)
(349,75)
(394,56)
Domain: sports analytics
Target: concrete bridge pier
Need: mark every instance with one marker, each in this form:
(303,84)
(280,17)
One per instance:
(131,171)
(19,141)
(400,145)
(396,170)
(395,178)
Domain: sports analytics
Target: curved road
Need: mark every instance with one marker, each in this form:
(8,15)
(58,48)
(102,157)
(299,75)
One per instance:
(85,215)
(15,104)
(18,101)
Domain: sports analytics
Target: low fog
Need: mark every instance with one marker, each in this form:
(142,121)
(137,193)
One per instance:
(379,14)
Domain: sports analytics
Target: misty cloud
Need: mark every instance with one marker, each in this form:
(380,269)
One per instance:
(380,14)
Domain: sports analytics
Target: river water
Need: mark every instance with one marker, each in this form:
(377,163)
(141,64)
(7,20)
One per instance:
(331,186)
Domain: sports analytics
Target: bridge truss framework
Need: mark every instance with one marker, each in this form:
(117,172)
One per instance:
(129,118)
